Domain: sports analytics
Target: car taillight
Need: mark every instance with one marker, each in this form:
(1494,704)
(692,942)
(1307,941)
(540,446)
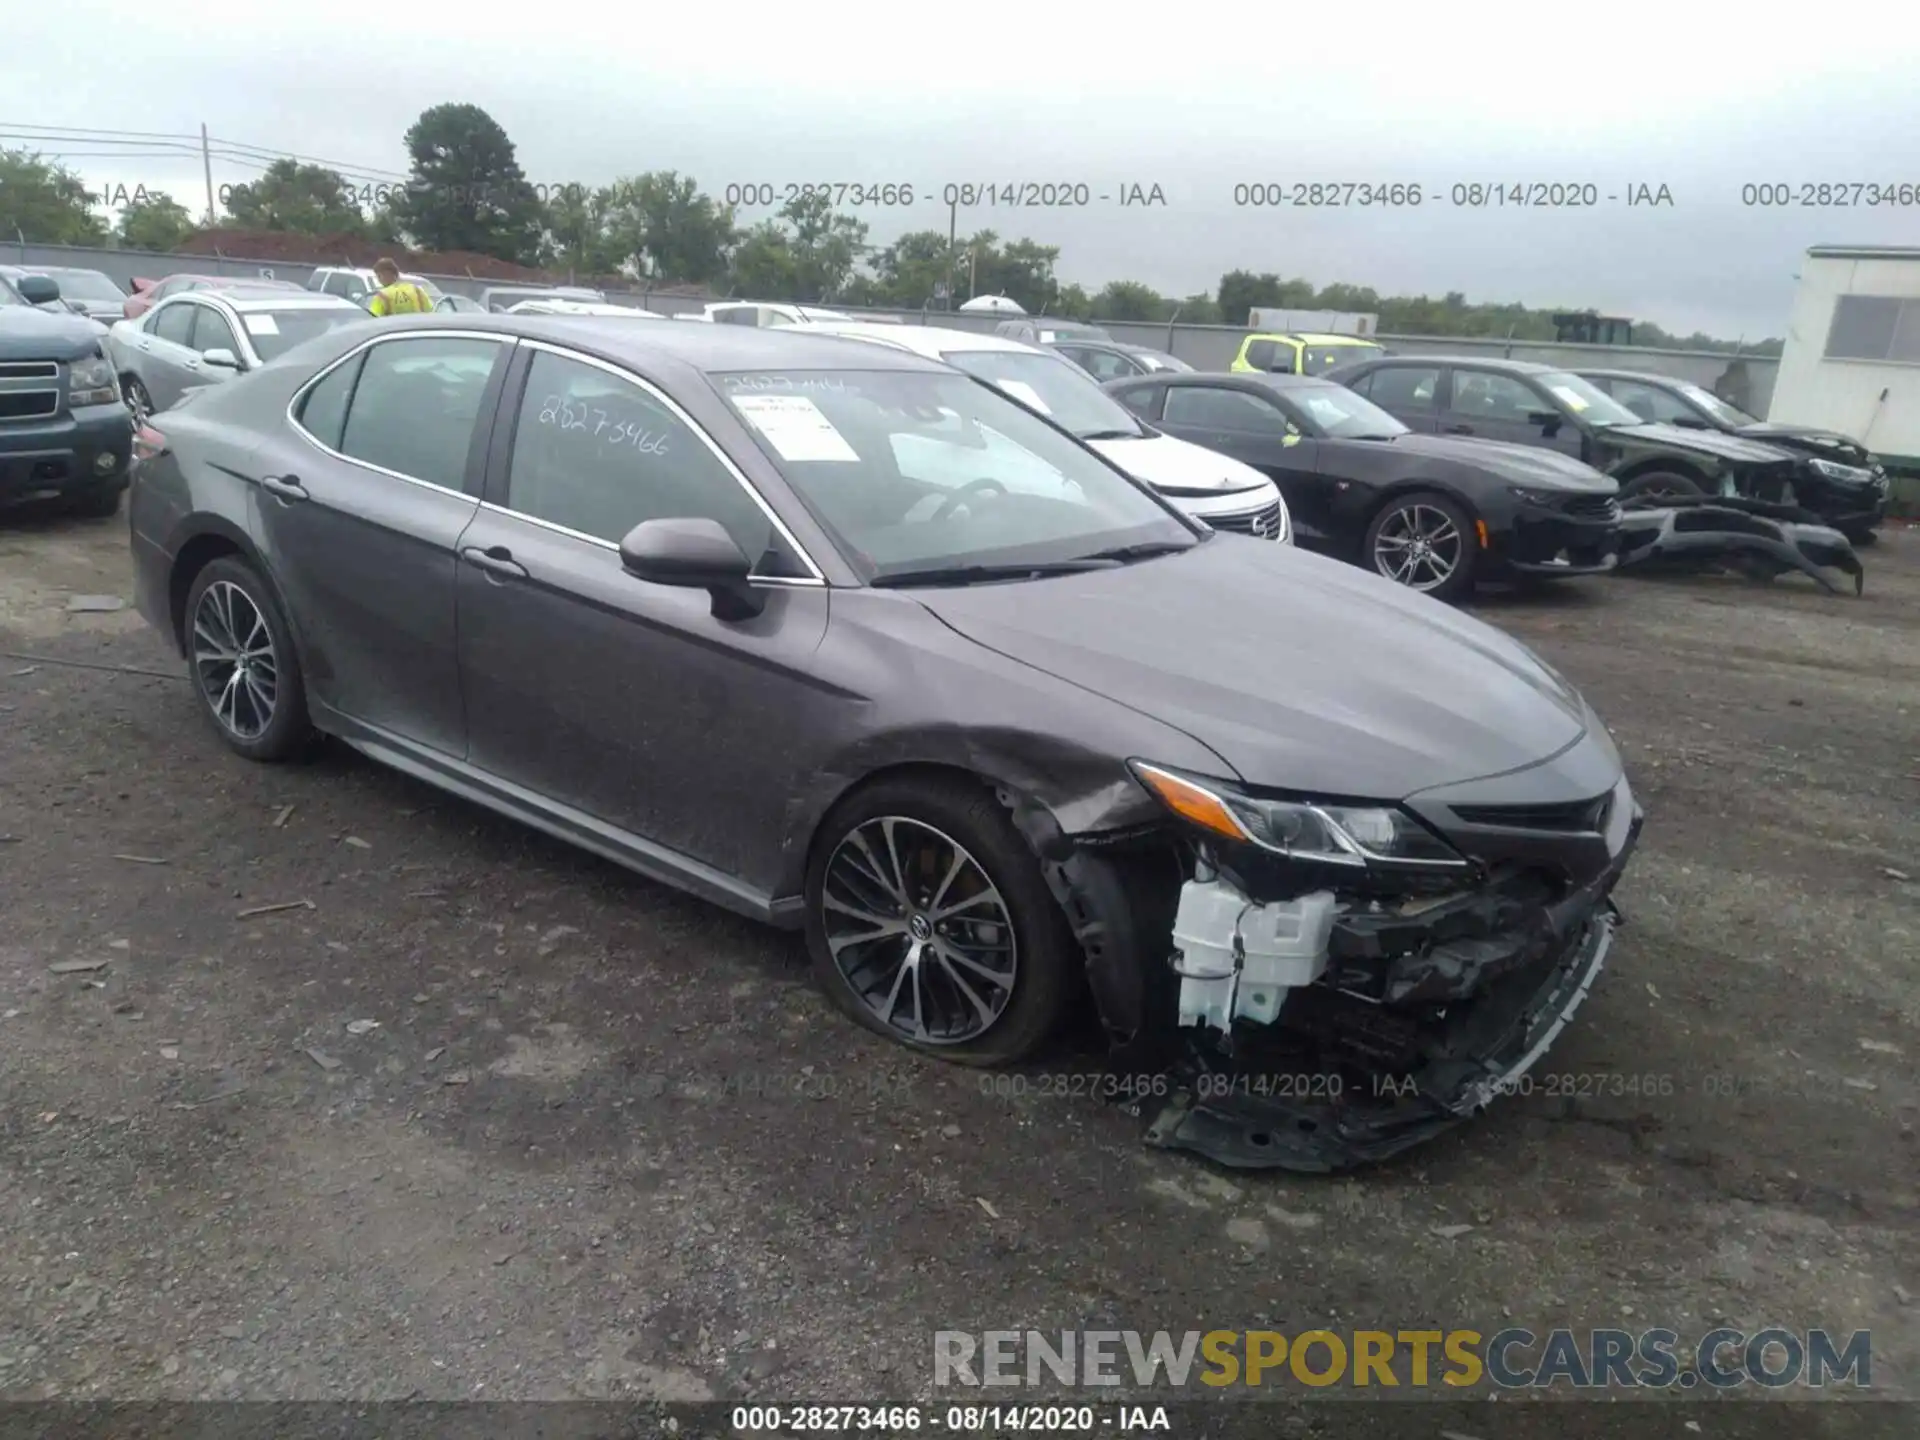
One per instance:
(148,443)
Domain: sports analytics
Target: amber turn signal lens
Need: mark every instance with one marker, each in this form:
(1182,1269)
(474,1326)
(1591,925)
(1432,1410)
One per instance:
(1191,802)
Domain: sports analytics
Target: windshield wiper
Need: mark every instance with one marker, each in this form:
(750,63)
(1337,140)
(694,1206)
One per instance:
(1143,550)
(982,574)
(1109,434)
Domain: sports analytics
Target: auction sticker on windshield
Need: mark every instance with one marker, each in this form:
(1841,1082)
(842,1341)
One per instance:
(794,426)
(1025,394)
(261,323)
(1570,398)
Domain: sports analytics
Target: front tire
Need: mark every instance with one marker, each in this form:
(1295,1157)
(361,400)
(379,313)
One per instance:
(138,400)
(1427,542)
(242,663)
(1658,485)
(929,922)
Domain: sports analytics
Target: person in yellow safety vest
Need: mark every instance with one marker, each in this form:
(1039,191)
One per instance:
(396,296)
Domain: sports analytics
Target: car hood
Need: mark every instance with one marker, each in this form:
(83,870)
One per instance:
(1169,463)
(1301,672)
(1529,465)
(1701,442)
(29,333)
(1803,437)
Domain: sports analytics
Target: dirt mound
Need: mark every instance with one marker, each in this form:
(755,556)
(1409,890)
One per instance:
(285,247)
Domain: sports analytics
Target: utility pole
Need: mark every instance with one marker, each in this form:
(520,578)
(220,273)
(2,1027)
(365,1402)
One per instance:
(206,163)
(953,231)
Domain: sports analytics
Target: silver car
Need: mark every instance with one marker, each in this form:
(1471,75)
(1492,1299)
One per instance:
(206,337)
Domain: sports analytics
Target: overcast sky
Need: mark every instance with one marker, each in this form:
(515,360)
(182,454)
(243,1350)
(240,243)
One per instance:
(1194,99)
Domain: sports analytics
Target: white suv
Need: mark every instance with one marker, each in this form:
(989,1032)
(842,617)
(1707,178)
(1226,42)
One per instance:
(357,285)
(1224,492)
(763,314)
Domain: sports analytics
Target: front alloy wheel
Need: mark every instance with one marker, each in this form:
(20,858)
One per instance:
(919,932)
(1426,543)
(929,921)
(138,401)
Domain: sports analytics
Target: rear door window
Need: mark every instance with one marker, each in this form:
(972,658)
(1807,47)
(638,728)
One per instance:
(414,412)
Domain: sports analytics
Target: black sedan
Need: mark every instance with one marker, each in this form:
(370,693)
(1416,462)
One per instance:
(723,604)
(1432,512)
(1115,359)
(1845,486)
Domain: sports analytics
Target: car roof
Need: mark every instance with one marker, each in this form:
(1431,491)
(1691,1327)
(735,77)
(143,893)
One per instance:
(712,349)
(1475,362)
(273,300)
(932,341)
(242,290)
(1313,337)
(1650,378)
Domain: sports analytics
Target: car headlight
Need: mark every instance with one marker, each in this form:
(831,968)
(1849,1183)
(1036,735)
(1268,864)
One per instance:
(1328,832)
(1834,470)
(91,382)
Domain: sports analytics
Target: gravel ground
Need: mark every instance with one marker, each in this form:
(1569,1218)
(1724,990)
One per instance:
(483,1117)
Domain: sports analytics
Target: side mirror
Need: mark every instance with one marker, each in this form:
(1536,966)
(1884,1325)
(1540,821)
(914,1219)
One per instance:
(1690,422)
(695,554)
(37,289)
(1547,420)
(220,358)
(1280,367)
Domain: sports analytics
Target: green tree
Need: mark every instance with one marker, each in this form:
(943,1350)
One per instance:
(575,226)
(1198,310)
(910,271)
(303,199)
(1022,270)
(467,191)
(155,221)
(1072,302)
(765,265)
(44,203)
(1129,300)
(826,246)
(665,227)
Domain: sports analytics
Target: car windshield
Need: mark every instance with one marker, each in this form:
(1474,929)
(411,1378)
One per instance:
(920,474)
(86,285)
(1338,413)
(1586,401)
(1056,387)
(1160,360)
(1322,358)
(8,295)
(274,332)
(1716,407)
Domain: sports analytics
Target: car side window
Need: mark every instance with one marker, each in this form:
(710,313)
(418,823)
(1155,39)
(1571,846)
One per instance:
(1404,387)
(598,454)
(174,323)
(1106,365)
(1260,353)
(212,332)
(1143,400)
(323,411)
(1215,407)
(1487,396)
(1651,403)
(415,412)
(317,281)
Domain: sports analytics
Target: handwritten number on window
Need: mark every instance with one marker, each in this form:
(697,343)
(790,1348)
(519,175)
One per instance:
(564,414)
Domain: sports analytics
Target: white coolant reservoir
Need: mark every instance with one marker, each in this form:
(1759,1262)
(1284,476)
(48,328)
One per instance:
(1236,958)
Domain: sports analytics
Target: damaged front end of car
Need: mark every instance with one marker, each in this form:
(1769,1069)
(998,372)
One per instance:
(1316,984)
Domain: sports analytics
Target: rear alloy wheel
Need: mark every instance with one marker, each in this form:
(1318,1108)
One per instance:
(1658,485)
(243,665)
(1427,543)
(928,921)
(138,400)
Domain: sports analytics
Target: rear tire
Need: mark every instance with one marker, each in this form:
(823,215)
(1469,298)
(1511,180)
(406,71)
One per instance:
(1658,485)
(984,985)
(241,660)
(1427,542)
(138,400)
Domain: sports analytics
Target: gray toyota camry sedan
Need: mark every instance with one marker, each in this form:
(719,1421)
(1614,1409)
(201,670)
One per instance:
(845,640)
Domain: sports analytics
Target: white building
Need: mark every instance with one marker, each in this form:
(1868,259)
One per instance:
(1852,356)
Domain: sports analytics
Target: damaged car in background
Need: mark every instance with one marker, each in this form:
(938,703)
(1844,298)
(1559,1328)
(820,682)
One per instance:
(1331,862)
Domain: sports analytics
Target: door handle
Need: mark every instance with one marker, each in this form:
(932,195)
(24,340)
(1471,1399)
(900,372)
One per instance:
(284,487)
(495,560)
